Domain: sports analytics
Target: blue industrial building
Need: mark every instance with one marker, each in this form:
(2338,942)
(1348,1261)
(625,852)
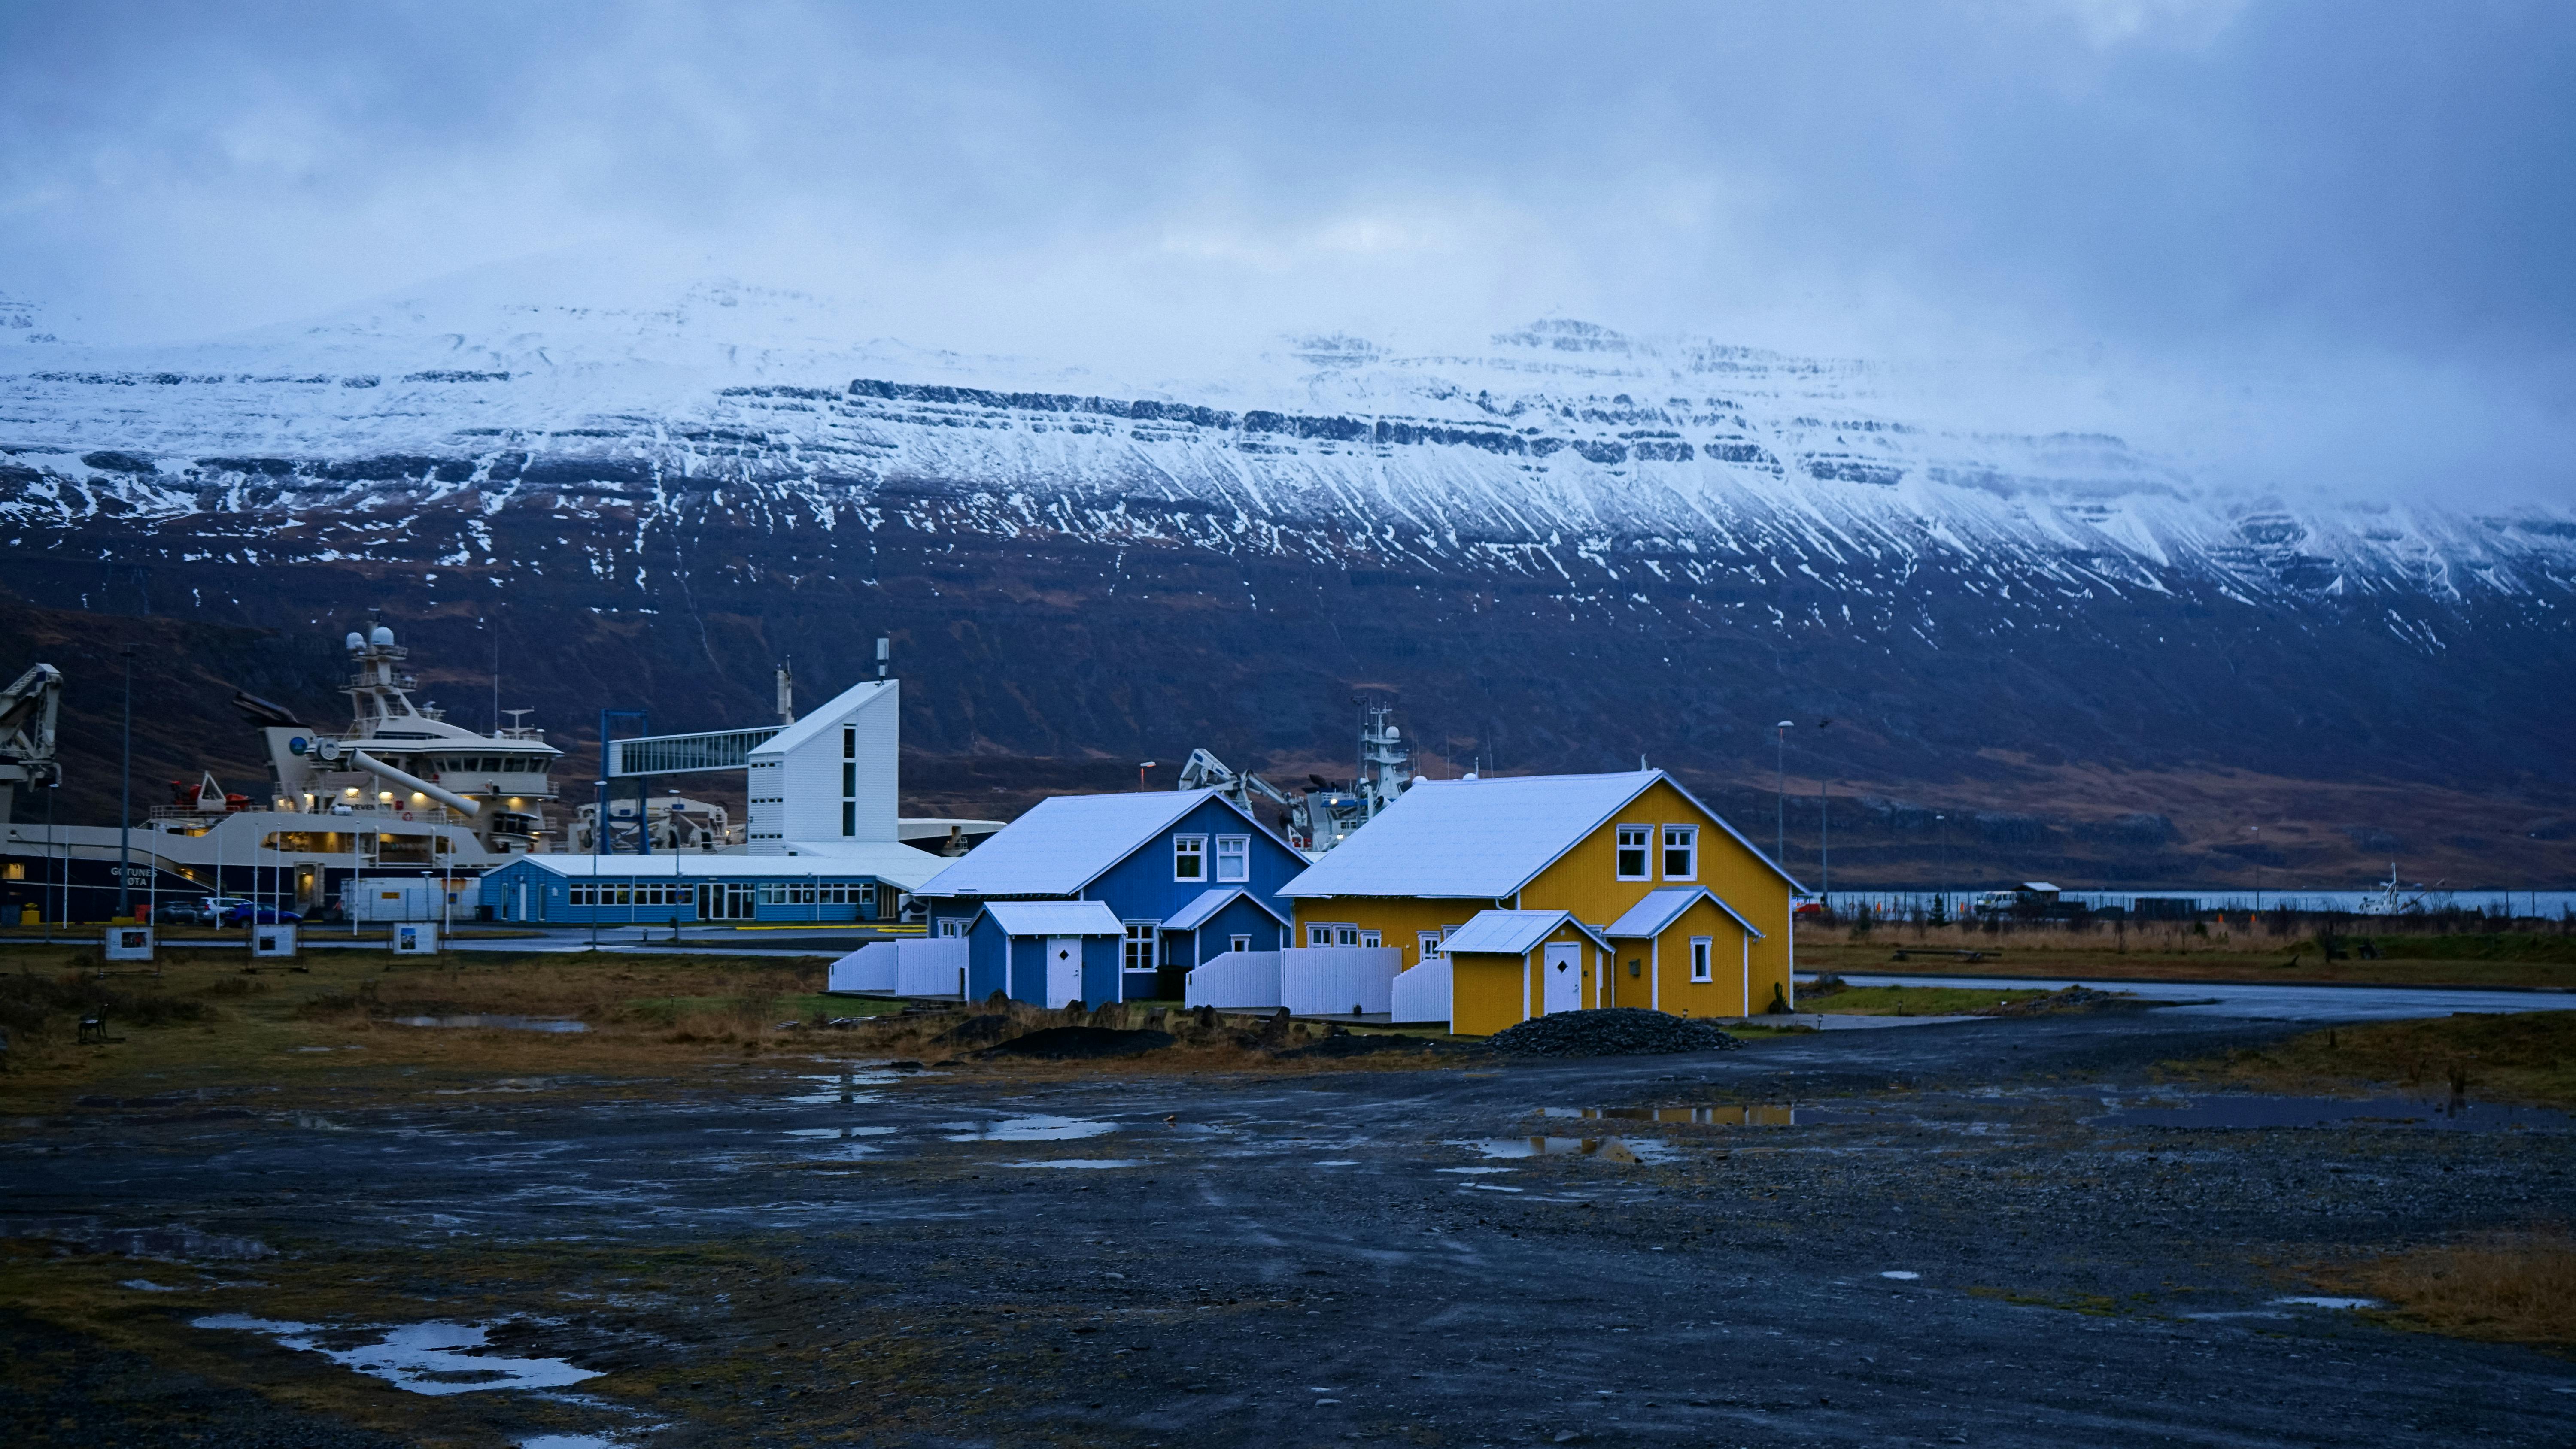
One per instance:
(1185,874)
(854,886)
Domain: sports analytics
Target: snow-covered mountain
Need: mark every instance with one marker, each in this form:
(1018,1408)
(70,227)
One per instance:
(1581,543)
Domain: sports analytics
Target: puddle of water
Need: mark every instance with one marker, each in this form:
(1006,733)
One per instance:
(832,1133)
(1487,1187)
(1079,1162)
(2252,1110)
(146,1285)
(501,1023)
(1027,1129)
(572,1441)
(1900,1275)
(848,1088)
(1608,1149)
(1471,1171)
(1340,1162)
(424,1358)
(2312,1302)
(1760,1115)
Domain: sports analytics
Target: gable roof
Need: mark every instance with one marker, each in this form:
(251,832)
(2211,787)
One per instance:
(1664,905)
(1484,839)
(1203,910)
(1053,918)
(832,714)
(1510,933)
(1068,841)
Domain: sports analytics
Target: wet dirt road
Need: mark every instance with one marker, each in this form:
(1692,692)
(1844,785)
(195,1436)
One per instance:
(1922,1236)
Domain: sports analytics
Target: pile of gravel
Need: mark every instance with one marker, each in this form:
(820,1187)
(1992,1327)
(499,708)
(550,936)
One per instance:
(1619,1031)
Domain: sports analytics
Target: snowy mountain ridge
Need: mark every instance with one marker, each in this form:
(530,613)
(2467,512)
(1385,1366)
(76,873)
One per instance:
(1562,451)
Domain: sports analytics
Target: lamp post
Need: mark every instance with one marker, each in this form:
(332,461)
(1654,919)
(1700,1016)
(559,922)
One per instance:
(125,799)
(1141,767)
(1945,867)
(1824,835)
(598,837)
(1780,845)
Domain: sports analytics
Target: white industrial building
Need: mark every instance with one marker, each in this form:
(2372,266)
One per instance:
(829,779)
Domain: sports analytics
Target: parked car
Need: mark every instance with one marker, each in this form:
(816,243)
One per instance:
(244,914)
(186,911)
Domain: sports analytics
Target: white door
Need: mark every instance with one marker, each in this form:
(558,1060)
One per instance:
(1064,969)
(1563,968)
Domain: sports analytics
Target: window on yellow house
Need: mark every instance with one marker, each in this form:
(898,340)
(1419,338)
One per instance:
(1699,959)
(1681,852)
(1430,944)
(1632,851)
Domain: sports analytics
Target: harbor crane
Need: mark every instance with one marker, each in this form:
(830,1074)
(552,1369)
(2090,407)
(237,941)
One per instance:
(27,713)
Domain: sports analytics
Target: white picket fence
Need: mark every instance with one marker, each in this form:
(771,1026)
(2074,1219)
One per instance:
(933,967)
(869,968)
(1331,980)
(1422,994)
(1235,981)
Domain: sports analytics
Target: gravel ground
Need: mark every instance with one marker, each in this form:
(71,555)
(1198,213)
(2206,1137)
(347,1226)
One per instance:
(1902,1237)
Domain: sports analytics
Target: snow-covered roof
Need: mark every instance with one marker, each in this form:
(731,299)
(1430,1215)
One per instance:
(1054,918)
(832,714)
(1480,839)
(1664,905)
(1199,912)
(1510,933)
(886,862)
(1066,842)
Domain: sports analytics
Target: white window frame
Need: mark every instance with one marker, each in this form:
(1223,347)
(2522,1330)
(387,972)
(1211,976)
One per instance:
(1428,943)
(1645,848)
(1372,939)
(1145,934)
(952,926)
(1233,859)
(1688,838)
(1192,850)
(1330,933)
(1346,935)
(1238,943)
(1703,957)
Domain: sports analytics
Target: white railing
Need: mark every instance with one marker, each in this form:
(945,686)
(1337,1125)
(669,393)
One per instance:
(1423,994)
(1235,981)
(1333,980)
(933,967)
(870,968)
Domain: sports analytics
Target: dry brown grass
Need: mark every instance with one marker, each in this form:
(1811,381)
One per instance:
(2501,1287)
(2527,1057)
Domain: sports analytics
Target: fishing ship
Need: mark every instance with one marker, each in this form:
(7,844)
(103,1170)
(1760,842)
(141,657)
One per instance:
(400,790)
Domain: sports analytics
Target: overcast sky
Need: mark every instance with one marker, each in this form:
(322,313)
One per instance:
(2334,239)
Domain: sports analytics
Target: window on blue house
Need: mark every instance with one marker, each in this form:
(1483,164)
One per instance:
(1141,936)
(1189,857)
(1234,857)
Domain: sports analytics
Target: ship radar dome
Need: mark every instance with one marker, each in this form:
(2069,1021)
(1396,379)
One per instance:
(356,641)
(380,635)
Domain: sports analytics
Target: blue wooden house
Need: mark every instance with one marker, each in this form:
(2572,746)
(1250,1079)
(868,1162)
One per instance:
(1046,953)
(1187,875)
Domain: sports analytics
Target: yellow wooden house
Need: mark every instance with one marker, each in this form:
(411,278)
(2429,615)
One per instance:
(1533,894)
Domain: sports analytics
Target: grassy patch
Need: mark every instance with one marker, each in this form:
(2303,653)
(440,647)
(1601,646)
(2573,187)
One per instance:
(2525,1057)
(2501,1287)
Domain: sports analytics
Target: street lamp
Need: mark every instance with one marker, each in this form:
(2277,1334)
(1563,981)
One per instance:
(125,800)
(1141,767)
(1945,866)
(1780,846)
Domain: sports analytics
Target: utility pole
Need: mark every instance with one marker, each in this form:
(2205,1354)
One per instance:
(125,800)
(1780,846)
(1824,834)
(1945,865)
(2258,867)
